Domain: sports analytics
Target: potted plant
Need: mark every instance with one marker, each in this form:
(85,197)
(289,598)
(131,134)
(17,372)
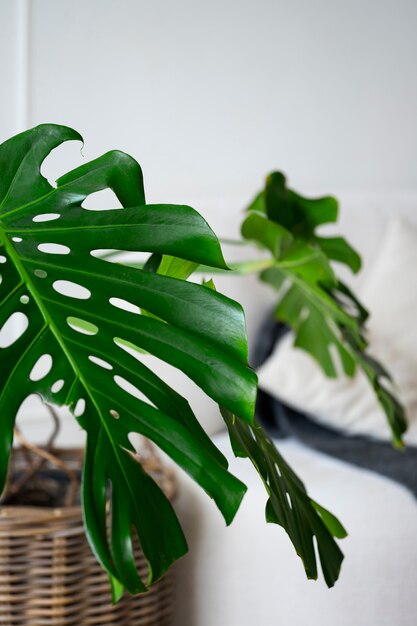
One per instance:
(91,319)
(321,309)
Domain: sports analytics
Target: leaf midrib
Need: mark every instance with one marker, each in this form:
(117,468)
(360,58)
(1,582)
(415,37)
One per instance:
(17,172)
(14,257)
(98,318)
(311,295)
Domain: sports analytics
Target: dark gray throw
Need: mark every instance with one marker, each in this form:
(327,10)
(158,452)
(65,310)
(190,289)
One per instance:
(282,421)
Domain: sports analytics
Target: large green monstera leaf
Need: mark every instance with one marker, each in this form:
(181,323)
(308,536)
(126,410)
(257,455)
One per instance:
(90,320)
(73,308)
(327,319)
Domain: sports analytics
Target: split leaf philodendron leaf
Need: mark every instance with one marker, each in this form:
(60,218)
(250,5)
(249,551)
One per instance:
(288,503)
(71,307)
(326,317)
(93,319)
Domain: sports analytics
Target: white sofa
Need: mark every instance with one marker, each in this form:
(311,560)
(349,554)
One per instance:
(249,573)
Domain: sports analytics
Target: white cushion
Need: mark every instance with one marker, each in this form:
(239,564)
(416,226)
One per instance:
(348,404)
(249,574)
(390,291)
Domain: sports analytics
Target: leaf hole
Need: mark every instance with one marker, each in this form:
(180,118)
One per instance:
(17,239)
(125,257)
(46,217)
(58,385)
(103,200)
(129,347)
(82,326)
(41,368)
(100,362)
(179,381)
(283,289)
(53,248)
(115,414)
(3,259)
(40,273)
(79,407)
(13,328)
(125,305)
(130,388)
(71,290)
(140,444)
(336,359)
(24,299)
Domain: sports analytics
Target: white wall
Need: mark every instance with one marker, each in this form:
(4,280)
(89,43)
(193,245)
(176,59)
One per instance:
(9,68)
(210,96)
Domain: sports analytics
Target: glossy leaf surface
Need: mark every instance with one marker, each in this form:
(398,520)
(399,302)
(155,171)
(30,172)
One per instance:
(85,314)
(288,503)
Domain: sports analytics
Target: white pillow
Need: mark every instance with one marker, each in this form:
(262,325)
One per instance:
(348,404)
(390,290)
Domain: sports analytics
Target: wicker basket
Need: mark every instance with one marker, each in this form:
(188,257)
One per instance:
(49,576)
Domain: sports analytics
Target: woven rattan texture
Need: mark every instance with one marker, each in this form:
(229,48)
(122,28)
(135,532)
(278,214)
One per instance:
(49,576)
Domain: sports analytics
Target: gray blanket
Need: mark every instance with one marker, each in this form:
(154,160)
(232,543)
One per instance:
(282,421)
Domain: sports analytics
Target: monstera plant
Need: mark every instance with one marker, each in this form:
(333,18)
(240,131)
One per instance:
(325,315)
(93,319)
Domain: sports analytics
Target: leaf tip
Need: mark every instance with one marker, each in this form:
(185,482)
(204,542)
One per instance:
(116,588)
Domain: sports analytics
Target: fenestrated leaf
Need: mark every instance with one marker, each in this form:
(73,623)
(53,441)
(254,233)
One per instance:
(326,316)
(331,521)
(273,236)
(297,214)
(85,312)
(288,503)
(338,249)
(314,315)
(350,303)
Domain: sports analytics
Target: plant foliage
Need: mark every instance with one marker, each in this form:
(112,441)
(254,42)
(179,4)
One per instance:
(289,504)
(327,319)
(93,319)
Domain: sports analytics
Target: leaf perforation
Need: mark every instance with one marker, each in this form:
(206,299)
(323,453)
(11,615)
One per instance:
(11,375)
(47,317)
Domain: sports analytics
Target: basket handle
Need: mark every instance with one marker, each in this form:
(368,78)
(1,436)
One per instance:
(43,454)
